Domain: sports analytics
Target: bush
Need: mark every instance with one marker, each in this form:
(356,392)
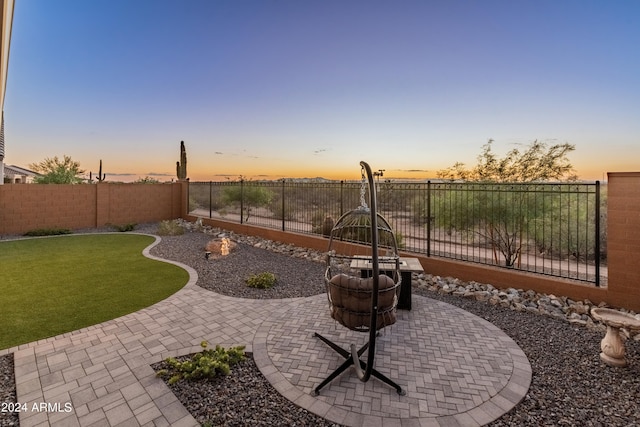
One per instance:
(251,196)
(322,223)
(206,364)
(193,203)
(170,228)
(146,180)
(47,232)
(400,240)
(124,228)
(262,281)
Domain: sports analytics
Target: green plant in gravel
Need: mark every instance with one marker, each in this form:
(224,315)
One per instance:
(262,281)
(124,227)
(47,232)
(206,364)
(170,228)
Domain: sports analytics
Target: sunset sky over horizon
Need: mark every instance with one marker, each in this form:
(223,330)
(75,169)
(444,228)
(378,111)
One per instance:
(273,89)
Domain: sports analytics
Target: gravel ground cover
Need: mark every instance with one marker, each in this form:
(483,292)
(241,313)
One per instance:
(7,391)
(570,385)
(295,277)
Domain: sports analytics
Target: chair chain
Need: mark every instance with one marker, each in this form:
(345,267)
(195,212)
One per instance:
(363,191)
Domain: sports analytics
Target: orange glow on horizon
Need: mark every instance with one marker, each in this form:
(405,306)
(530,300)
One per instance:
(591,173)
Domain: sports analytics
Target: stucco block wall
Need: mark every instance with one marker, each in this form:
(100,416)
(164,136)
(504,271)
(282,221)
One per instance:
(623,248)
(27,207)
(136,203)
(33,206)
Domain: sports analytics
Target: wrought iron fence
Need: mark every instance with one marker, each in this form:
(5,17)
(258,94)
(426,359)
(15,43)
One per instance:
(552,229)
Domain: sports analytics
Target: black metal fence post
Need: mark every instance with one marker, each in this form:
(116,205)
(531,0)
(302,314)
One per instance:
(428,218)
(597,242)
(242,201)
(210,201)
(341,197)
(283,221)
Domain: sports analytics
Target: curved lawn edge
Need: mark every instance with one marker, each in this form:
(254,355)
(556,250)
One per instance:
(84,322)
(193,275)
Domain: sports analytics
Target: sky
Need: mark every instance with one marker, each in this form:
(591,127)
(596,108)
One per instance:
(274,89)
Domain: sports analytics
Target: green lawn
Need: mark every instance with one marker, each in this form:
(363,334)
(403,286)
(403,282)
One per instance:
(49,286)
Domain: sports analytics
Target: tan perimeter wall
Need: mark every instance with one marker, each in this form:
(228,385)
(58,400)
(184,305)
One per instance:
(623,247)
(27,207)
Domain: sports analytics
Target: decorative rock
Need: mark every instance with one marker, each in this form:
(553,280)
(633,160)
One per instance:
(579,308)
(556,302)
(481,295)
(574,316)
(578,322)
(519,307)
(532,310)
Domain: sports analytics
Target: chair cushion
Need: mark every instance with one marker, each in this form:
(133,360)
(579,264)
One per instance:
(351,301)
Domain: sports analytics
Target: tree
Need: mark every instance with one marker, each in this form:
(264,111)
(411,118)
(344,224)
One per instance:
(56,171)
(247,196)
(500,208)
(538,163)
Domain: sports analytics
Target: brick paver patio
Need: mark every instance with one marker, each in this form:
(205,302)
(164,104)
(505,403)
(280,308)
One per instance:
(457,369)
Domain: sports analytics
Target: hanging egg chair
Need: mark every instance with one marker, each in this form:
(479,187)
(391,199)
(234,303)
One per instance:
(362,278)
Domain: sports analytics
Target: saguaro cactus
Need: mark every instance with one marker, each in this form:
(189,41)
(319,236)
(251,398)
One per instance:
(181,166)
(101,177)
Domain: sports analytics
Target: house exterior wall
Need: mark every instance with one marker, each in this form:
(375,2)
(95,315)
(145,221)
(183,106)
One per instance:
(6,22)
(12,178)
(29,207)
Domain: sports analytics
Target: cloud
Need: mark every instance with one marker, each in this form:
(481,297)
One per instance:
(159,174)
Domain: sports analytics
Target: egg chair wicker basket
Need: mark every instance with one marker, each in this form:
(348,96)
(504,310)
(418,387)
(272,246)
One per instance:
(362,241)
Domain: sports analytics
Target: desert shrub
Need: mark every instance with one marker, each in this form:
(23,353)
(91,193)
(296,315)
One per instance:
(193,204)
(47,232)
(322,223)
(251,197)
(170,228)
(124,227)
(288,212)
(206,364)
(262,281)
(146,180)
(400,240)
